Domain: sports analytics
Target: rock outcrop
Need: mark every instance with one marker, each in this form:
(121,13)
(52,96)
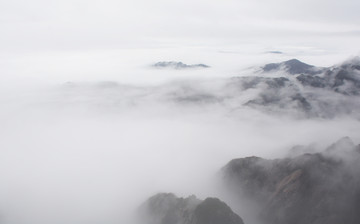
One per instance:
(313,188)
(169,209)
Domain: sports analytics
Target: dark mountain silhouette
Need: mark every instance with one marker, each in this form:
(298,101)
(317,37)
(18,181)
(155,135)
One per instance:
(313,188)
(292,67)
(166,208)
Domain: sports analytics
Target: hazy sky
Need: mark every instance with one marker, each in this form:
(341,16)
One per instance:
(79,24)
(93,162)
(114,40)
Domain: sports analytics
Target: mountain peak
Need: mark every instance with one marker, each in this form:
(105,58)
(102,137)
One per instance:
(292,66)
(295,61)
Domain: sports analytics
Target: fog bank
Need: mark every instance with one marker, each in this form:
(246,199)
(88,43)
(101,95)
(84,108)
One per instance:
(69,154)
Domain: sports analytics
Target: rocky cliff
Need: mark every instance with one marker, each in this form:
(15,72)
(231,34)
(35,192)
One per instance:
(169,209)
(312,188)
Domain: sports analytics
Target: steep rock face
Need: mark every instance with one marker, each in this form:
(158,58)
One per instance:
(317,188)
(214,211)
(168,209)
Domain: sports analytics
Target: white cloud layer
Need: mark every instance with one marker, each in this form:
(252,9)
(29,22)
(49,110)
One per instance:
(69,159)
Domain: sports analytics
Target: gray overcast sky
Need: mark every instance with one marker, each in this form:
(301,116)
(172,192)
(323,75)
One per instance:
(58,41)
(88,24)
(74,155)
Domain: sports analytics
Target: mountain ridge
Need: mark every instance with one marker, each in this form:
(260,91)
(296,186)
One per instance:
(321,187)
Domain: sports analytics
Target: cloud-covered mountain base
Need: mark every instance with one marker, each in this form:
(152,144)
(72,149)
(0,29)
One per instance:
(291,88)
(93,152)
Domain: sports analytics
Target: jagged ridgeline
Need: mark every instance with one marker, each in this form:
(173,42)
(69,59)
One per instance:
(309,188)
(343,78)
(307,90)
(166,208)
(290,88)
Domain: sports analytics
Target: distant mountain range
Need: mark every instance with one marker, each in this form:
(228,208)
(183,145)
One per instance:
(300,90)
(297,90)
(178,65)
